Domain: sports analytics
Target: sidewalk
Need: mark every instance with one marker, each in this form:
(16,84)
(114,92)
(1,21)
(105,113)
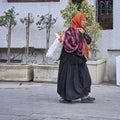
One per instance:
(39,101)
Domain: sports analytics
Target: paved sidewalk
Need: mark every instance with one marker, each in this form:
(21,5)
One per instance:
(39,101)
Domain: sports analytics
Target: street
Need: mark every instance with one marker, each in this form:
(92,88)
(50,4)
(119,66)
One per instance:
(39,101)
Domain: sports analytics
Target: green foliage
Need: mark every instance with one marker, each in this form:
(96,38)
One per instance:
(45,21)
(27,20)
(68,12)
(95,32)
(93,28)
(8,19)
(89,11)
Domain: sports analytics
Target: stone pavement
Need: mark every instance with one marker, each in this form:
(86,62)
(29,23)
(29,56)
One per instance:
(39,101)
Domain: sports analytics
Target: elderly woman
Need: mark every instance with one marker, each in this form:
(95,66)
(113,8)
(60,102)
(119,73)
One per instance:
(74,80)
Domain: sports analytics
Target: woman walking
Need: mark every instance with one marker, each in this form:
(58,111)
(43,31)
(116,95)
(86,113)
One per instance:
(74,80)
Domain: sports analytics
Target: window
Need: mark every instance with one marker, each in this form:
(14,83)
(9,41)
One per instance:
(33,0)
(105,13)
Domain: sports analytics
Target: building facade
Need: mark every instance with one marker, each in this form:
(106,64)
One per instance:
(107,14)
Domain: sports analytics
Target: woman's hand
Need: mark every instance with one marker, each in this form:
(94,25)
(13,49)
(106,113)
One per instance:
(81,30)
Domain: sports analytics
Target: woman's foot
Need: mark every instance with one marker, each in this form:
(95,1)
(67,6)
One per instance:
(61,100)
(88,100)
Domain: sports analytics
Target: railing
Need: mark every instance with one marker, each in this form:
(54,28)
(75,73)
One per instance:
(36,55)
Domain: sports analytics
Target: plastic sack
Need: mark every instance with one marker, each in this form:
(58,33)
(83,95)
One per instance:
(55,49)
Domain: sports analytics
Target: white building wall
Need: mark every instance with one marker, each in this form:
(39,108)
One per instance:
(37,38)
(110,38)
(109,43)
(116,14)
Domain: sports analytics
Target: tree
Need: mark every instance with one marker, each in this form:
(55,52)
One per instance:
(8,20)
(46,22)
(27,21)
(69,12)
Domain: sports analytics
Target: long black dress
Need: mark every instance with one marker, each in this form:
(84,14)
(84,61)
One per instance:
(74,80)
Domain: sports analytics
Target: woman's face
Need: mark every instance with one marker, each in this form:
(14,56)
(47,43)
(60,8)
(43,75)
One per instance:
(83,23)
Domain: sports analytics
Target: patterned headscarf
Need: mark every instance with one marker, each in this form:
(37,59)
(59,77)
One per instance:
(71,41)
(76,20)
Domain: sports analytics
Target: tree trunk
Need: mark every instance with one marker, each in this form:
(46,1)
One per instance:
(9,45)
(27,39)
(48,31)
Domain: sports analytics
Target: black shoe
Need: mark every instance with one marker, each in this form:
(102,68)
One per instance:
(88,100)
(61,100)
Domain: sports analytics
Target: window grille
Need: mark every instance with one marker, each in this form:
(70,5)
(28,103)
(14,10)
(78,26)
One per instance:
(105,13)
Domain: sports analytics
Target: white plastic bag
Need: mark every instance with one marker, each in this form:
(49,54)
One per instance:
(55,49)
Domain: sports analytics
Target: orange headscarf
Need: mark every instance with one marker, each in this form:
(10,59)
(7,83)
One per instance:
(76,23)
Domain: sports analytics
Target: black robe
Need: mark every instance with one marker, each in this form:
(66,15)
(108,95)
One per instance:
(74,80)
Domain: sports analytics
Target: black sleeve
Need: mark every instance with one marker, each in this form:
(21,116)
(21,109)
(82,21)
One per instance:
(87,37)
